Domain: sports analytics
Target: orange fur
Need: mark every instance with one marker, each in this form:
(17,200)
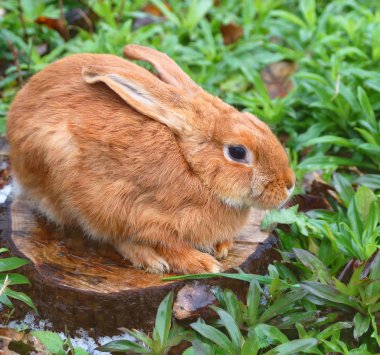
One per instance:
(142,169)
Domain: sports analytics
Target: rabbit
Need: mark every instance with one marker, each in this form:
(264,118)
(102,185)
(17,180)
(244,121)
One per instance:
(150,163)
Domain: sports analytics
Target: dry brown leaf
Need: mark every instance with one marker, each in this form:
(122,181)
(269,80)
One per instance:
(154,14)
(194,301)
(14,342)
(5,177)
(154,10)
(309,202)
(276,77)
(55,24)
(231,33)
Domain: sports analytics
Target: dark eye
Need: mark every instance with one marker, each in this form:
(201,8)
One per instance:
(237,153)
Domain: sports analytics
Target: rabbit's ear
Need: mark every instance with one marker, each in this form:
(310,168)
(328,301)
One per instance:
(167,69)
(144,92)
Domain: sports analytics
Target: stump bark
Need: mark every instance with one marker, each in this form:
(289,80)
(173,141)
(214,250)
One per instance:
(79,283)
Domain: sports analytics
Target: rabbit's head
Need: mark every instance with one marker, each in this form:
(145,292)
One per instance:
(236,155)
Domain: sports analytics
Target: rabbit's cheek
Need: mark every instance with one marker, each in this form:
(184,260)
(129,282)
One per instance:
(258,184)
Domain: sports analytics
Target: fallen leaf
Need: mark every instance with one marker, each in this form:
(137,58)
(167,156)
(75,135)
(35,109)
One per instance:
(14,342)
(154,14)
(55,24)
(194,301)
(5,177)
(231,33)
(154,10)
(276,77)
(311,202)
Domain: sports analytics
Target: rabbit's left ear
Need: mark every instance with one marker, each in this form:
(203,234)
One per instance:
(144,92)
(167,69)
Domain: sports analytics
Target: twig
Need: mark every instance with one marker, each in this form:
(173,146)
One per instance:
(122,5)
(66,33)
(87,20)
(16,62)
(5,285)
(22,20)
(61,13)
(30,56)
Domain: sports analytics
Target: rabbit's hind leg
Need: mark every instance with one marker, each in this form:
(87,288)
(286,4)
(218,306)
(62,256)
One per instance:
(142,256)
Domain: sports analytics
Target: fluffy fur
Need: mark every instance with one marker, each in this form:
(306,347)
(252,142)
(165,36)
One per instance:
(137,160)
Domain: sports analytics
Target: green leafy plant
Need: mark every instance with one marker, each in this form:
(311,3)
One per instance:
(360,294)
(351,230)
(9,279)
(245,328)
(165,334)
(308,290)
(56,345)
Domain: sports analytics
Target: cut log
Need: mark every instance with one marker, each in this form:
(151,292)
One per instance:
(79,283)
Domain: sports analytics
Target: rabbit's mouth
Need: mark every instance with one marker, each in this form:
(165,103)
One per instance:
(272,199)
(274,192)
(266,200)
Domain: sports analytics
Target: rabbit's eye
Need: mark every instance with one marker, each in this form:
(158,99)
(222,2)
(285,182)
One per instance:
(237,153)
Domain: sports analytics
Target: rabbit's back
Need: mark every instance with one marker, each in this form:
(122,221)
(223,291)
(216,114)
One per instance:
(82,152)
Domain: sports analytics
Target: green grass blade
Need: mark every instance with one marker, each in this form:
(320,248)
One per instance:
(293,347)
(167,13)
(253,302)
(21,297)
(281,304)
(52,341)
(231,326)
(123,346)
(163,318)
(15,279)
(332,162)
(329,293)
(214,335)
(12,263)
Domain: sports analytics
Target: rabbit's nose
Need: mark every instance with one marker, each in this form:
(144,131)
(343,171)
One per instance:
(290,181)
(289,185)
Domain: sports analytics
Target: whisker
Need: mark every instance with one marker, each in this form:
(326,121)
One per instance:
(290,202)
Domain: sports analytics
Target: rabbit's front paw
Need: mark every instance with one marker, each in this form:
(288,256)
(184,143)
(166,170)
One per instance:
(222,249)
(143,256)
(186,260)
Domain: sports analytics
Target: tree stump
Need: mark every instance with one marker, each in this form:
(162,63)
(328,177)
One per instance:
(79,283)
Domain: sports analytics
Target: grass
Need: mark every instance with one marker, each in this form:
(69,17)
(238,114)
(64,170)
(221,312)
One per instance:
(324,296)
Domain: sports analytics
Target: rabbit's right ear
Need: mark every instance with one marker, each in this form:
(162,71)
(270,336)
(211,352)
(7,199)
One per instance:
(144,92)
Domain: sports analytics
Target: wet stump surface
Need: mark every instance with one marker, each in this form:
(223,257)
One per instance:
(79,283)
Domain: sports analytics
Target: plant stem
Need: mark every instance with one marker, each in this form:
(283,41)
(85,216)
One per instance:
(22,20)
